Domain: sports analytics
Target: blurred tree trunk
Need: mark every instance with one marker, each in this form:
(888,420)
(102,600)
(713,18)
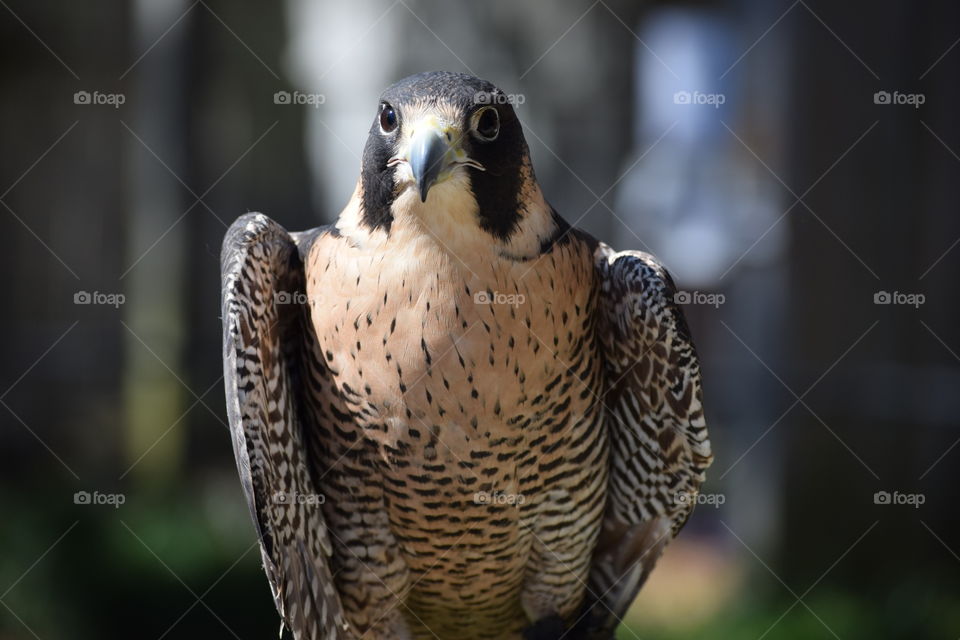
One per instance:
(892,399)
(157,246)
(62,221)
(250,153)
(206,106)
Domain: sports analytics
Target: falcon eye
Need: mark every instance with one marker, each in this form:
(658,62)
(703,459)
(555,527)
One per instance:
(388,118)
(486,125)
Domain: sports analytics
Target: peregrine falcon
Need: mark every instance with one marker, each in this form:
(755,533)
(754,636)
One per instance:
(454,415)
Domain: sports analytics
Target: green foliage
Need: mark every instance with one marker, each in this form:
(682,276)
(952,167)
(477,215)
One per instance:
(913,612)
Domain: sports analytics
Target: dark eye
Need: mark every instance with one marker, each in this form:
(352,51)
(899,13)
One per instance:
(487,124)
(388,118)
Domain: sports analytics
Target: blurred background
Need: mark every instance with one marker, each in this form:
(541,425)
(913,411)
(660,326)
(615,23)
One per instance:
(794,164)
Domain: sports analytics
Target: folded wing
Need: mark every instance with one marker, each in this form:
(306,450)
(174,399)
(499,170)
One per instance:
(269,353)
(658,435)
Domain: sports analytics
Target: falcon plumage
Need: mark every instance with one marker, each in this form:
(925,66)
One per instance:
(454,415)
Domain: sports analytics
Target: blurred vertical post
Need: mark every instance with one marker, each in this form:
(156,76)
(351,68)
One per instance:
(892,203)
(153,392)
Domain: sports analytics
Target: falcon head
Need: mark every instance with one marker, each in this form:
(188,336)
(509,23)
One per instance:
(447,149)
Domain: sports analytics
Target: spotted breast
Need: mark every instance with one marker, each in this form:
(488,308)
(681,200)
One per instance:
(470,449)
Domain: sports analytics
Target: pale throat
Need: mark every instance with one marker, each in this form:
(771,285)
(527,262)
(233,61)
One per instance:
(445,232)
(449,218)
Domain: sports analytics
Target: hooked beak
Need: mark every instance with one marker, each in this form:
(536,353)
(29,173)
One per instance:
(429,155)
(432,153)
